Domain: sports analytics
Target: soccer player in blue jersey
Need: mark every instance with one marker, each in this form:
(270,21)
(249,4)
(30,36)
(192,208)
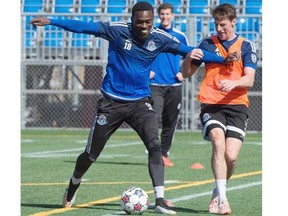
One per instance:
(166,84)
(125,88)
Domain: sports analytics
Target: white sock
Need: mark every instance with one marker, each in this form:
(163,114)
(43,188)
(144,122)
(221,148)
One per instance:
(159,192)
(75,181)
(221,187)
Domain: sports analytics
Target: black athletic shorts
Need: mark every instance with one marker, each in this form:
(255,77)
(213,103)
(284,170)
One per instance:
(232,119)
(111,114)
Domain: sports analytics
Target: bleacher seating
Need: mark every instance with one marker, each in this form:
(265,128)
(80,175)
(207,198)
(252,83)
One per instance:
(199,6)
(116,6)
(248,26)
(54,36)
(183,25)
(90,6)
(253,7)
(177,4)
(30,39)
(251,36)
(64,6)
(232,2)
(237,4)
(54,39)
(81,40)
(152,2)
(33,6)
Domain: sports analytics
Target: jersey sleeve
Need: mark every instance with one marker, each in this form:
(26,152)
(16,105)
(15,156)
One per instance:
(207,57)
(203,44)
(249,55)
(76,26)
(99,29)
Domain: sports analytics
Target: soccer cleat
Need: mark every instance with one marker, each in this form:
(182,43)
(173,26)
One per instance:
(213,205)
(167,162)
(68,203)
(70,195)
(162,208)
(167,202)
(224,208)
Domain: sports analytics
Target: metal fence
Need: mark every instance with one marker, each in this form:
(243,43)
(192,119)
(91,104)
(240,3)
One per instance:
(61,72)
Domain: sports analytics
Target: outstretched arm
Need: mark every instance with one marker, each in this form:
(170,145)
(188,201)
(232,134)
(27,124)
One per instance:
(69,25)
(207,56)
(187,67)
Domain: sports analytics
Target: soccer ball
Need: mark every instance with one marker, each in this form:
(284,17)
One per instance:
(134,200)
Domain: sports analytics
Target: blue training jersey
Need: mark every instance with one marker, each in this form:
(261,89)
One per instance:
(167,65)
(129,59)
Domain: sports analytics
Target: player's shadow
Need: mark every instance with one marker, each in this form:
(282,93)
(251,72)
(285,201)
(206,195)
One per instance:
(190,211)
(112,162)
(121,163)
(47,206)
(112,207)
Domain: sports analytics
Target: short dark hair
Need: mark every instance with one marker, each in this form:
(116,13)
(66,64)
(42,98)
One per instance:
(165,6)
(224,11)
(142,6)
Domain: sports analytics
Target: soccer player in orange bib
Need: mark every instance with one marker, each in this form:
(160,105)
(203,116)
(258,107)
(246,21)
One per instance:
(224,100)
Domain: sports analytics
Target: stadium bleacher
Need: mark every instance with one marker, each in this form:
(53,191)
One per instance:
(81,40)
(30,40)
(87,10)
(152,2)
(232,2)
(199,6)
(54,39)
(116,6)
(253,6)
(35,6)
(178,5)
(90,6)
(64,6)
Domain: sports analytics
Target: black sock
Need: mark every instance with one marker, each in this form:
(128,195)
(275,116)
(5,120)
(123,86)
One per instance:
(71,190)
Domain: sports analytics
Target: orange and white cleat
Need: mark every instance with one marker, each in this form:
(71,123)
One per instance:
(224,208)
(167,162)
(214,205)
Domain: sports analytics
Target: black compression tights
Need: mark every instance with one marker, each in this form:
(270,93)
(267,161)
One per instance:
(83,163)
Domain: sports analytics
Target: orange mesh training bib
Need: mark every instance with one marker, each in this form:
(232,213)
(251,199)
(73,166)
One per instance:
(209,92)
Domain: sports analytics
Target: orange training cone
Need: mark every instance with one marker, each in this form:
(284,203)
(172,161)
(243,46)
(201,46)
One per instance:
(197,166)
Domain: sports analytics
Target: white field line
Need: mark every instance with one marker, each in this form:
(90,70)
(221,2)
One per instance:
(193,196)
(67,152)
(59,153)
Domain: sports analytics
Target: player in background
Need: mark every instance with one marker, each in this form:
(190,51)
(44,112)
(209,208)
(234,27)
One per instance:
(166,84)
(125,88)
(224,100)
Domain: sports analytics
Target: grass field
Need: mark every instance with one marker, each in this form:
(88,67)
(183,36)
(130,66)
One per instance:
(48,159)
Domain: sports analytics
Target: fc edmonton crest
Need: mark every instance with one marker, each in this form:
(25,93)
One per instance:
(206,117)
(101,120)
(151,46)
